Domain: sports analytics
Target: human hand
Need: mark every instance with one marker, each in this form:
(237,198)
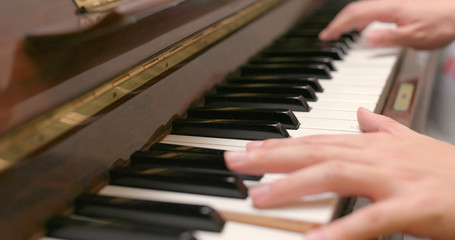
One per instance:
(422,24)
(409,177)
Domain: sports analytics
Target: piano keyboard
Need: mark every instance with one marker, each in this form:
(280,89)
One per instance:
(329,107)
(358,82)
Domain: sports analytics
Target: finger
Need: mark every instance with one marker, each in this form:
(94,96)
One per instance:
(340,140)
(357,15)
(389,37)
(347,140)
(411,35)
(370,222)
(371,122)
(287,158)
(346,179)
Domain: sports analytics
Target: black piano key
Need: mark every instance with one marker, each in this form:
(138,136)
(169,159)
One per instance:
(298,42)
(290,43)
(182,216)
(234,129)
(318,18)
(223,185)
(87,229)
(294,60)
(280,69)
(181,148)
(310,81)
(305,91)
(333,53)
(167,159)
(343,40)
(302,33)
(284,116)
(314,31)
(293,102)
(184,160)
(353,36)
(310,24)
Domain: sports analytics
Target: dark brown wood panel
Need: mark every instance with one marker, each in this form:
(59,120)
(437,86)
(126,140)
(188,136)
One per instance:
(29,68)
(46,183)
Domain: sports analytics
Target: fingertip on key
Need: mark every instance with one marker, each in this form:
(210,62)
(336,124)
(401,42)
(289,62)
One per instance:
(315,235)
(259,193)
(324,35)
(235,158)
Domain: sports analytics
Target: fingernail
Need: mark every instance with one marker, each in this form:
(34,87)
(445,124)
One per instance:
(259,192)
(234,158)
(314,235)
(255,144)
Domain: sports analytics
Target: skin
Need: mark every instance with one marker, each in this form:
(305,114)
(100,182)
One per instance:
(409,177)
(421,24)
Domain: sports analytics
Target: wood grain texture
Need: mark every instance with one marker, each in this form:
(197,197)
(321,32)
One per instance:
(28,72)
(47,183)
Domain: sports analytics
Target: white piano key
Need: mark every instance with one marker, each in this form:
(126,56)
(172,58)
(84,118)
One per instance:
(352,90)
(235,144)
(327,114)
(360,52)
(355,83)
(379,57)
(345,97)
(316,211)
(326,124)
(336,104)
(234,230)
(341,76)
(364,71)
(359,65)
(313,131)
(352,63)
(207,142)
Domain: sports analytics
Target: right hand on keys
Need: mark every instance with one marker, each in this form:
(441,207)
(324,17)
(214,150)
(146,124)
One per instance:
(422,24)
(409,177)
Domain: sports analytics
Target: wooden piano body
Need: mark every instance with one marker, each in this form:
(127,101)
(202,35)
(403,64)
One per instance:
(77,98)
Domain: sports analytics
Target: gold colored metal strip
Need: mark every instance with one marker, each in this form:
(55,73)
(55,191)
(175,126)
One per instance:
(91,5)
(39,132)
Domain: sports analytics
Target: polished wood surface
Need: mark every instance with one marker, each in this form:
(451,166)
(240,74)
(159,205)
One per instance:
(417,69)
(46,183)
(35,59)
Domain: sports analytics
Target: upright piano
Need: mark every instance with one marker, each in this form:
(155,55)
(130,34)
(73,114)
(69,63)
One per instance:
(114,114)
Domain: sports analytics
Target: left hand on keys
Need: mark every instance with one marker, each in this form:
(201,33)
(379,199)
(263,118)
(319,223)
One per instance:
(409,177)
